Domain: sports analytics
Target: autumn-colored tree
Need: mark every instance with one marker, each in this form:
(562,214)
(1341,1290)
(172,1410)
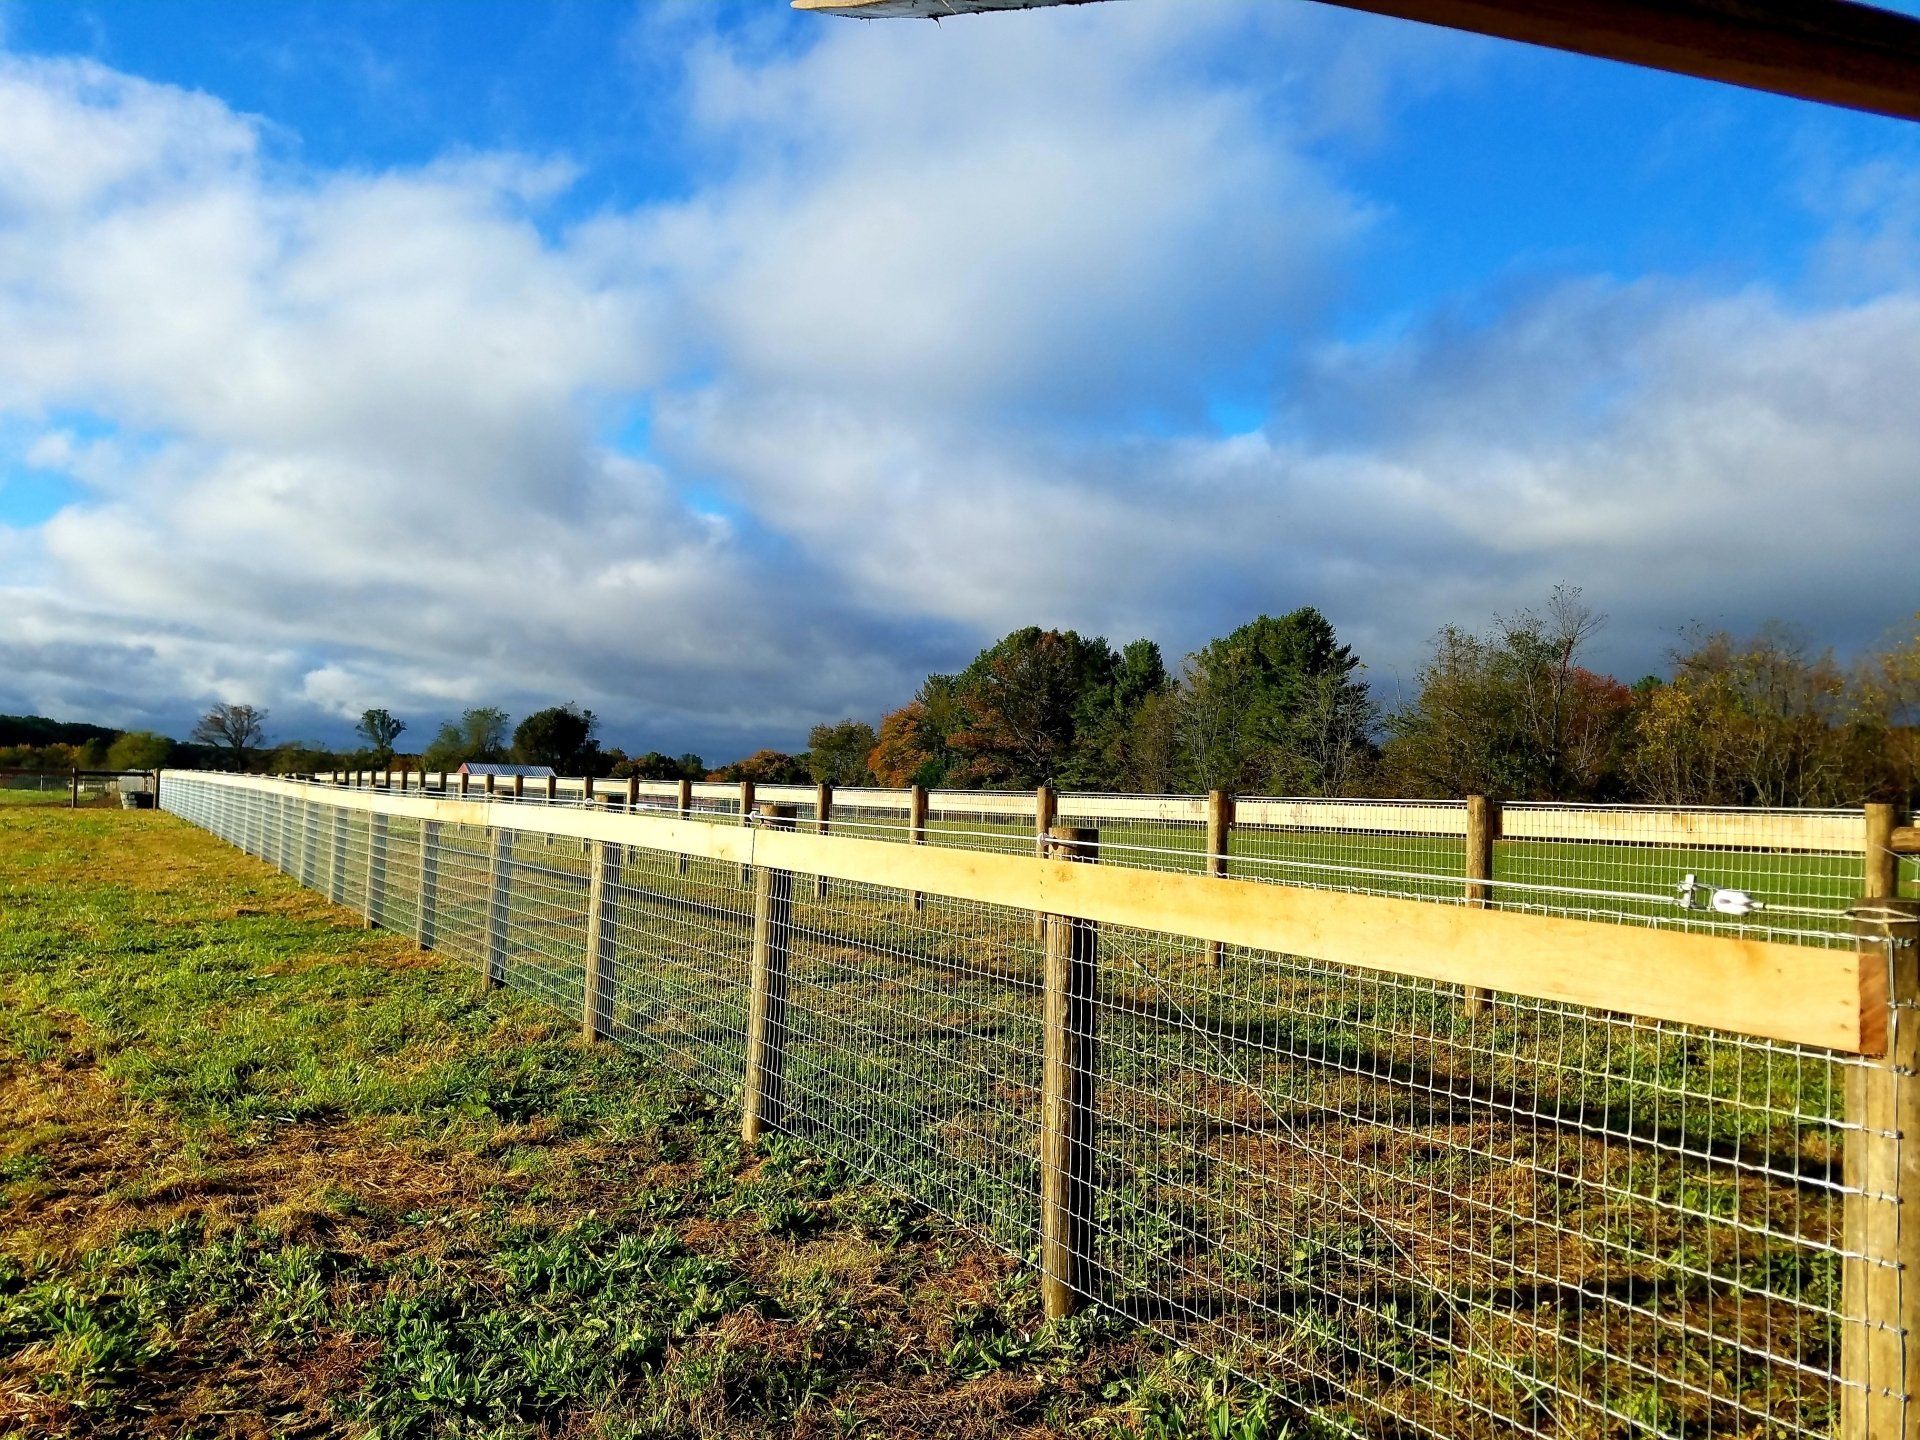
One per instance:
(1760,721)
(1502,714)
(904,750)
(1886,713)
(1598,720)
(764,767)
(1024,700)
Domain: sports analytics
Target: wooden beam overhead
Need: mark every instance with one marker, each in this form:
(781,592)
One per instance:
(1835,52)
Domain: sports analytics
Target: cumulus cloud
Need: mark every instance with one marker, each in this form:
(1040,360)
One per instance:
(925,353)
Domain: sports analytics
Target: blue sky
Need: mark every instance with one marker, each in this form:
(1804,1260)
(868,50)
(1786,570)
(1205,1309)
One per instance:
(727,369)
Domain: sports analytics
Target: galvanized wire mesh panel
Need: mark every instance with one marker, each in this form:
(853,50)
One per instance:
(981,820)
(913,1047)
(1411,1220)
(679,967)
(1144,832)
(1771,874)
(1549,1222)
(1414,849)
(1795,872)
(870,814)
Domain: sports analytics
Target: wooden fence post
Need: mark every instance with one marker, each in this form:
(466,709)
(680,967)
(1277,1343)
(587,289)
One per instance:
(763,1102)
(519,787)
(603,925)
(376,896)
(1483,828)
(492,785)
(1219,843)
(427,915)
(499,901)
(746,818)
(466,784)
(1066,1093)
(685,806)
(1880,1296)
(553,788)
(917,832)
(823,825)
(633,793)
(1046,809)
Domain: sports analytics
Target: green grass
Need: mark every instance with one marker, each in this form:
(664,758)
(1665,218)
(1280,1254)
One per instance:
(267,1172)
(1339,1166)
(1630,883)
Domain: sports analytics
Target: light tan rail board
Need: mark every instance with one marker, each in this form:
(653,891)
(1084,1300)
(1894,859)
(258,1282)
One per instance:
(1830,832)
(1834,998)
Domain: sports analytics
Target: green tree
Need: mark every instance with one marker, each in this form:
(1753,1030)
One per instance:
(655,766)
(1279,706)
(1513,713)
(478,735)
(837,754)
(299,757)
(237,731)
(139,750)
(379,729)
(1103,756)
(561,736)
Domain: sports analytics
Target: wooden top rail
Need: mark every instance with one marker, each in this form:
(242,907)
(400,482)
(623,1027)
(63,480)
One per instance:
(1864,57)
(1834,998)
(1833,832)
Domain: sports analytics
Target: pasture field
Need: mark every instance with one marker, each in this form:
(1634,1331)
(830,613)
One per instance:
(265,1172)
(21,797)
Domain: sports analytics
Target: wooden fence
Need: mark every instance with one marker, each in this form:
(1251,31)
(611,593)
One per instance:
(1853,1001)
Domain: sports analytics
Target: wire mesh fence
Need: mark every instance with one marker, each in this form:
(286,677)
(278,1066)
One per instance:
(1785,875)
(1410,1218)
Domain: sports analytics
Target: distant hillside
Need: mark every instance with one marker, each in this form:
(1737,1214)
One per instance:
(39,730)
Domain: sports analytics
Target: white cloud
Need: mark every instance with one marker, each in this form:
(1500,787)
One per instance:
(936,326)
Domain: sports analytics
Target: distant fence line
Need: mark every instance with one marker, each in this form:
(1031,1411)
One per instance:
(1460,1171)
(1799,870)
(1835,830)
(77,782)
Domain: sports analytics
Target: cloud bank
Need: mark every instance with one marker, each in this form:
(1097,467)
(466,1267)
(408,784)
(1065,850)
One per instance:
(927,352)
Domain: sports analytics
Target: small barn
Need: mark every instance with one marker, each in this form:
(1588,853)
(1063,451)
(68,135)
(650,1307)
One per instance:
(477,769)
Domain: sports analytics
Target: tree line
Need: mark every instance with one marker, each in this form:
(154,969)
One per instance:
(1279,706)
